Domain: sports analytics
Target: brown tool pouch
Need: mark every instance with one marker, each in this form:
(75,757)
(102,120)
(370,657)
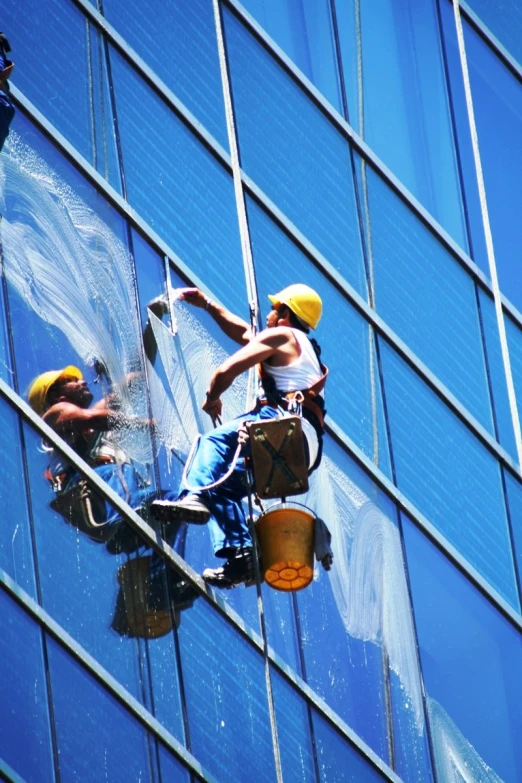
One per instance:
(81,507)
(278,457)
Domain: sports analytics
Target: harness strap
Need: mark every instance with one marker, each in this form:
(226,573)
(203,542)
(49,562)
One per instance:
(306,397)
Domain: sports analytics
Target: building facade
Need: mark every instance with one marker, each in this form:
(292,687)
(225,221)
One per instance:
(371,150)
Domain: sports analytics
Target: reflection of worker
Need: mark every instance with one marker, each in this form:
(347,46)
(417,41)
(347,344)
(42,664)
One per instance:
(289,363)
(64,400)
(6,105)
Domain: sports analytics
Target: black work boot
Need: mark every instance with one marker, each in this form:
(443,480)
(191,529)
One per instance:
(239,568)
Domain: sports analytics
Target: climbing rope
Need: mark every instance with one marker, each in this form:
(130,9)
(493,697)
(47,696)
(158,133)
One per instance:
(488,236)
(253,299)
(244,232)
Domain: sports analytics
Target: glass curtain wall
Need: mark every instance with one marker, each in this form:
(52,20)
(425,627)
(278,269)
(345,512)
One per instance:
(376,671)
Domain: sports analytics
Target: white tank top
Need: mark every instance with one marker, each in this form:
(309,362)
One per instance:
(300,374)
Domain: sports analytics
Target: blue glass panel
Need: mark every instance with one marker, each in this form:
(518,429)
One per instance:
(448,475)
(16,555)
(355,402)
(294,727)
(304,31)
(498,112)
(497,373)
(25,736)
(398,101)
(59,68)
(177,186)
(97,738)
(178,42)
(504,22)
(497,101)
(514,495)
(6,361)
(426,297)
(357,631)
(309,177)
(514,339)
(339,761)
(69,560)
(471,658)
(172,770)
(226,698)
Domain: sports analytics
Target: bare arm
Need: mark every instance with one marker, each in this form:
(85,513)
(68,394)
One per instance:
(231,325)
(269,343)
(69,419)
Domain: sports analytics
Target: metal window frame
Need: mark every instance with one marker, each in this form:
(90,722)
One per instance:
(109,683)
(492,41)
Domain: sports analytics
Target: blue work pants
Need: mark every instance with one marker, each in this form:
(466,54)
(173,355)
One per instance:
(227,526)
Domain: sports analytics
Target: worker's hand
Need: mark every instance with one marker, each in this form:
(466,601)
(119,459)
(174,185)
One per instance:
(243,435)
(214,409)
(192,296)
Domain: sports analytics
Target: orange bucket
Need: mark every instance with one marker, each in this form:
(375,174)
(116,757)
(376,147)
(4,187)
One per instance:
(286,543)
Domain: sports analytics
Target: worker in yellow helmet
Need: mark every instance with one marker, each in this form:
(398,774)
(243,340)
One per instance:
(63,398)
(290,363)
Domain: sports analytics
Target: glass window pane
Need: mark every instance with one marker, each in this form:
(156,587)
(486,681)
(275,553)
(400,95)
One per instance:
(514,338)
(309,177)
(426,297)
(16,545)
(176,185)
(506,25)
(497,101)
(25,738)
(226,698)
(356,623)
(448,475)
(497,374)
(97,738)
(78,106)
(355,403)
(178,41)
(398,102)
(294,732)
(471,659)
(514,495)
(339,761)
(304,31)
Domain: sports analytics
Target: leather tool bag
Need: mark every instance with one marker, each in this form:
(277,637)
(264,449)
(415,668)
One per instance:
(81,507)
(278,457)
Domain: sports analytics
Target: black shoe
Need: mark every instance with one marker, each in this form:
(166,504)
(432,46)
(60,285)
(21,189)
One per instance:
(239,568)
(188,509)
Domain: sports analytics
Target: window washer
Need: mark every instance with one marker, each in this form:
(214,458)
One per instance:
(290,364)
(63,399)
(6,105)
(145,606)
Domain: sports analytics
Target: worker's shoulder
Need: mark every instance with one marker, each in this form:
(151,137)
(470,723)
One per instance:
(275,335)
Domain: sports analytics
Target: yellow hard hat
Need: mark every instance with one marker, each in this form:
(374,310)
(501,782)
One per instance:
(303,301)
(41,385)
